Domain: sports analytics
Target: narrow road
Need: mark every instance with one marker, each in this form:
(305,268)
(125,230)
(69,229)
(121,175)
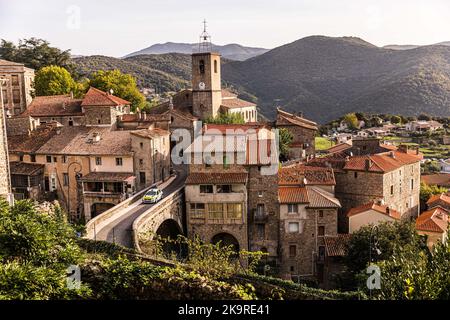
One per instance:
(120,230)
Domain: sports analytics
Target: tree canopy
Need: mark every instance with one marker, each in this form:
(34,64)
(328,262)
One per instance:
(226,118)
(123,85)
(351,120)
(286,138)
(35,53)
(55,80)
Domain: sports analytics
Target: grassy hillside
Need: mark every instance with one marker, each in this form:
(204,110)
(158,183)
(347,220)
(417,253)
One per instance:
(326,77)
(321,76)
(169,72)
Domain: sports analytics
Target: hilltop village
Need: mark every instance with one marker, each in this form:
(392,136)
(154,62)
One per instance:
(92,154)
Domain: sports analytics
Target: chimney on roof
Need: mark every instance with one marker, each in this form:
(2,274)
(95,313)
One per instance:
(388,210)
(392,154)
(368,163)
(71,94)
(96,137)
(403,148)
(64,105)
(170,103)
(380,202)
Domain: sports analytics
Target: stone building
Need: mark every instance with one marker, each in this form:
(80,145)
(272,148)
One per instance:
(433,224)
(231,193)
(61,108)
(151,156)
(374,213)
(27,180)
(90,169)
(18,89)
(88,165)
(303,132)
(308,213)
(392,177)
(206,98)
(5,184)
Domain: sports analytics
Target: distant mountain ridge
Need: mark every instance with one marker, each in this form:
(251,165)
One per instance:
(323,77)
(231,51)
(413,46)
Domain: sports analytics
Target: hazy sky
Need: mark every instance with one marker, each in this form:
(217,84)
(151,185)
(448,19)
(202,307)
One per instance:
(116,28)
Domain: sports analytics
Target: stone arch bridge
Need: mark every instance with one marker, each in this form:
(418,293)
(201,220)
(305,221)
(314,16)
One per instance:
(124,223)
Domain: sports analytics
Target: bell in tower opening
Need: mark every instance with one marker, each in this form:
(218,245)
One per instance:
(204,45)
(206,79)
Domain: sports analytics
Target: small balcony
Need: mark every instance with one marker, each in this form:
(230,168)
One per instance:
(260,216)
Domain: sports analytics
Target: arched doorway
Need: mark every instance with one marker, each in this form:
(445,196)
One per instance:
(99,208)
(226,239)
(169,229)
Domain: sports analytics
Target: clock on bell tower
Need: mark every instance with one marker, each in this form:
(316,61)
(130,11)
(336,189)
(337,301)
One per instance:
(206,80)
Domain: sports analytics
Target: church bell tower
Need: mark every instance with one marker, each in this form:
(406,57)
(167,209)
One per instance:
(206,79)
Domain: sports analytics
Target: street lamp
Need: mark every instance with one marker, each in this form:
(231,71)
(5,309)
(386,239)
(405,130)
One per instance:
(377,250)
(77,173)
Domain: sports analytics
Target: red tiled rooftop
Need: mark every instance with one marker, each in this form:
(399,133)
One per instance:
(382,162)
(439,197)
(314,175)
(434,220)
(217,178)
(339,147)
(236,103)
(49,106)
(441,179)
(96,97)
(293,195)
(336,246)
(296,120)
(376,207)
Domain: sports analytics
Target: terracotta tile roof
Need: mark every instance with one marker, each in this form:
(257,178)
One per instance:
(319,198)
(389,147)
(48,106)
(292,195)
(9,63)
(108,176)
(96,97)
(27,169)
(438,198)
(382,162)
(376,207)
(441,179)
(151,133)
(134,117)
(434,220)
(245,128)
(31,143)
(228,94)
(296,120)
(217,178)
(339,147)
(336,246)
(80,141)
(294,175)
(236,103)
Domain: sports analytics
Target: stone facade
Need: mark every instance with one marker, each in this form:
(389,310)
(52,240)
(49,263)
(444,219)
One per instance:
(151,156)
(18,89)
(307,258)
(5,184)
(263,212)
(404,182)
(303,132)
(206,85)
